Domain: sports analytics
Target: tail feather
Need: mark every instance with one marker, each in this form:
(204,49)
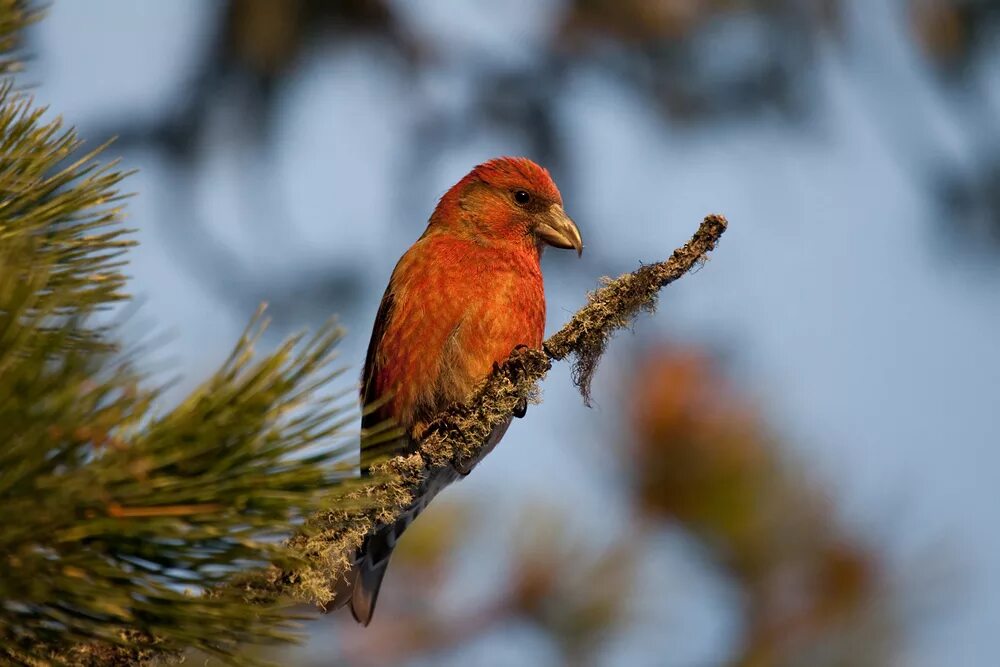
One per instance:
(359,587)
(373,560)
(361,584)
(364,594)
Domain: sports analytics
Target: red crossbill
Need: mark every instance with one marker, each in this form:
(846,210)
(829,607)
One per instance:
(460,300)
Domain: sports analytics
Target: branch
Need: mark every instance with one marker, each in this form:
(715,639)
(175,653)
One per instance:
(324,548)
(458,433)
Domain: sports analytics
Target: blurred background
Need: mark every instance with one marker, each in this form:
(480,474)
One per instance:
(793,462)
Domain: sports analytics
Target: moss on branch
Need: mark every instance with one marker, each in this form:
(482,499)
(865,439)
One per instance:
(323,549)
(458,433)
(615,305)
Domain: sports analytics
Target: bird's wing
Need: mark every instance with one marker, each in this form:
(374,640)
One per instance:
(373,414)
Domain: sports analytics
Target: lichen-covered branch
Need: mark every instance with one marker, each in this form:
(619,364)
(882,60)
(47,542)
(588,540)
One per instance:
(616,304)
(324,547)
(458,433)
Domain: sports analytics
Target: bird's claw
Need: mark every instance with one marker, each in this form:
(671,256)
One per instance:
(521,408)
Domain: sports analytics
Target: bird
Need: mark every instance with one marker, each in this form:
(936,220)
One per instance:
(459,301)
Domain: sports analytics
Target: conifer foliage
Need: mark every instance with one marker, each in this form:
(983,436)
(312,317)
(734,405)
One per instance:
(117,512)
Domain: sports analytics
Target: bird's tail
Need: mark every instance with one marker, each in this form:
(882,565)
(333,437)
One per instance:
(367,575)
(361,584)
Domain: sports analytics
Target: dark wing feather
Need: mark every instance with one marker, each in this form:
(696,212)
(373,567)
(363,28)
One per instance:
(361,584)
(375,416)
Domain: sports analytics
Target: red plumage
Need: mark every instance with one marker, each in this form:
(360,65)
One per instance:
(460,299)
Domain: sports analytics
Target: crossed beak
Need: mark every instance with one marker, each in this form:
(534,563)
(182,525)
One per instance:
(557,230)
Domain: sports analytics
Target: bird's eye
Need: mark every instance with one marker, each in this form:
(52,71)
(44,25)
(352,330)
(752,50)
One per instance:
(522,197)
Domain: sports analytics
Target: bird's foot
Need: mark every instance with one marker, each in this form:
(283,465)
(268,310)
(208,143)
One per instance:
(521,408)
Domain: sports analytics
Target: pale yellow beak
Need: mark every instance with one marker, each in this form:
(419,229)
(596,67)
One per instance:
(557,230)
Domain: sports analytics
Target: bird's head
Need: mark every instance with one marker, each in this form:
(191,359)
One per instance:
(507,200)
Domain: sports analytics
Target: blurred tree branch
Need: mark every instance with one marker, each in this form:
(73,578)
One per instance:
(813,594)
(663,52)
(256,49)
